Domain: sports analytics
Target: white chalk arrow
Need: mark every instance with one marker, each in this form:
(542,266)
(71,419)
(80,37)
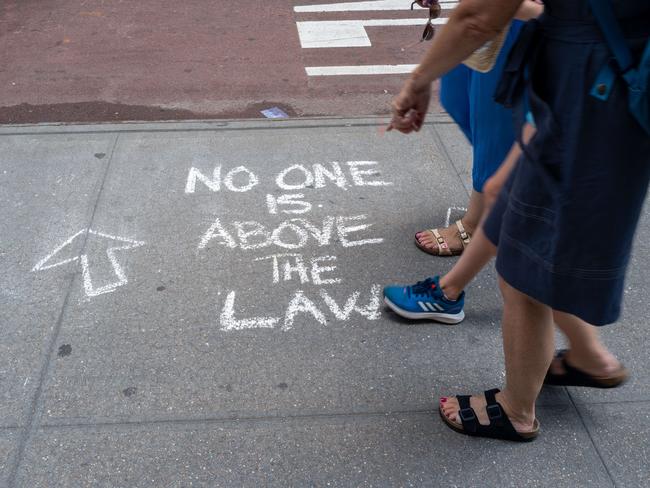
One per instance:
(117,244)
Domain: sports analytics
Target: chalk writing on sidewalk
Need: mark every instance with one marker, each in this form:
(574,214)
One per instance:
(290,238)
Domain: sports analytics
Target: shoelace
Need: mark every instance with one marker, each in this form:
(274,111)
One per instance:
(422,288)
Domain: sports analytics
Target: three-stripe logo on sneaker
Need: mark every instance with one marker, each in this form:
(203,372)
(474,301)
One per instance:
(430,307)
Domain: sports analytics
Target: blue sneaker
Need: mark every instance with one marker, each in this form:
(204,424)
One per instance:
(425,300)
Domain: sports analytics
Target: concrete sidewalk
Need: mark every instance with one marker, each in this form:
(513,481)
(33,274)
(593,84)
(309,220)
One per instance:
(197,304)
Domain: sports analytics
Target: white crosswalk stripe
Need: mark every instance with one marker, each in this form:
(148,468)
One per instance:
(374,5)
(320,34)
(380,69)
(347,33)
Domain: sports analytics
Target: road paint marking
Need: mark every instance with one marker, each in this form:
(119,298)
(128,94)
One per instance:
(347,33)
(90,290)
(377,69)
(373,5)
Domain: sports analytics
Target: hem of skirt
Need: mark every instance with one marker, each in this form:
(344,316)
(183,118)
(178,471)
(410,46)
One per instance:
(587,299)
(576,273)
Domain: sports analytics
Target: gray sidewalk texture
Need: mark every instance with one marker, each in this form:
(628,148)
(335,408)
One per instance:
(198,304)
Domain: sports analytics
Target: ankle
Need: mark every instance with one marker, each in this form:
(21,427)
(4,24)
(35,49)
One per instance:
(451,292)
(521,415)
(469,224)
(594,359)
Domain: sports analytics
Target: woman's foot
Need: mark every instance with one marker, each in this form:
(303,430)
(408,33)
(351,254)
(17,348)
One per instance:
(446,241)
(602,365)
(425,300)
(488,415)
(601,370)
(450,407)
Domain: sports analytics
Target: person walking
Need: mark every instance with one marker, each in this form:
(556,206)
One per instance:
(467,96)
(564,221)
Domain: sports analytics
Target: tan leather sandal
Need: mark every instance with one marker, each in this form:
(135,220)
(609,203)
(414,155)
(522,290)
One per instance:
(443,248)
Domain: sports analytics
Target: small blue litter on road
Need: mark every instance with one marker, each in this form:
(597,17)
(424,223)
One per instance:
(274,113)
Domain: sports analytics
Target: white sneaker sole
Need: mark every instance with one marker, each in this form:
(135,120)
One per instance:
(445,318)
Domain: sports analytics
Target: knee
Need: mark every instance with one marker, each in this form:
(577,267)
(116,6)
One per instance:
(513,297)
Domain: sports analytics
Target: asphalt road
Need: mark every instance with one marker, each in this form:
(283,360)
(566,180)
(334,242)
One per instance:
(92,60)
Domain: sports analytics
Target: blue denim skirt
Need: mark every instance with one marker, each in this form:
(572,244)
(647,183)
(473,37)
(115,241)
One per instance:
(564,223)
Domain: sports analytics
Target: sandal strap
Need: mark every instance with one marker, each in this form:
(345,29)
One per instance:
(463,401)
(465,237)
(493,408)
(500,425)
(490,396)
(442,244)
(575,376)
(467,415)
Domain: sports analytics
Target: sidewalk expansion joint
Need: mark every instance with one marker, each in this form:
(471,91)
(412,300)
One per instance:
(32,422)
(450,160)
(234,419)
(591,439)
(189,421)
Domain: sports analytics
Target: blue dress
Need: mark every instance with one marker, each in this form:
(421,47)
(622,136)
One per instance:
(467,96)
(565,220)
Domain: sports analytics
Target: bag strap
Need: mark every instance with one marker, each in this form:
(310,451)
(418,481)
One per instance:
(604,13)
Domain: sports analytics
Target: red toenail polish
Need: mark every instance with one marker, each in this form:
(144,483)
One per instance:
(443,399)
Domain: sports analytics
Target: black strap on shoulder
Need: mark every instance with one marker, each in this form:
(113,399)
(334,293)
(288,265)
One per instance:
(604,13)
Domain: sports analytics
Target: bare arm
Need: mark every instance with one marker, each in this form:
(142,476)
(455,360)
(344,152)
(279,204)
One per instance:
(530,9)
(494,184)
(471,24)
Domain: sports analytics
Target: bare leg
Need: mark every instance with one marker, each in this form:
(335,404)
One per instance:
(481,250)
(474,213)
(475,257)
(528,344)
(479,203)
(586,352)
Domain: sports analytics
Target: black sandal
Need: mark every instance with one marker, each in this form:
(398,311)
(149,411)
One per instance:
(576,377)
(500,426)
